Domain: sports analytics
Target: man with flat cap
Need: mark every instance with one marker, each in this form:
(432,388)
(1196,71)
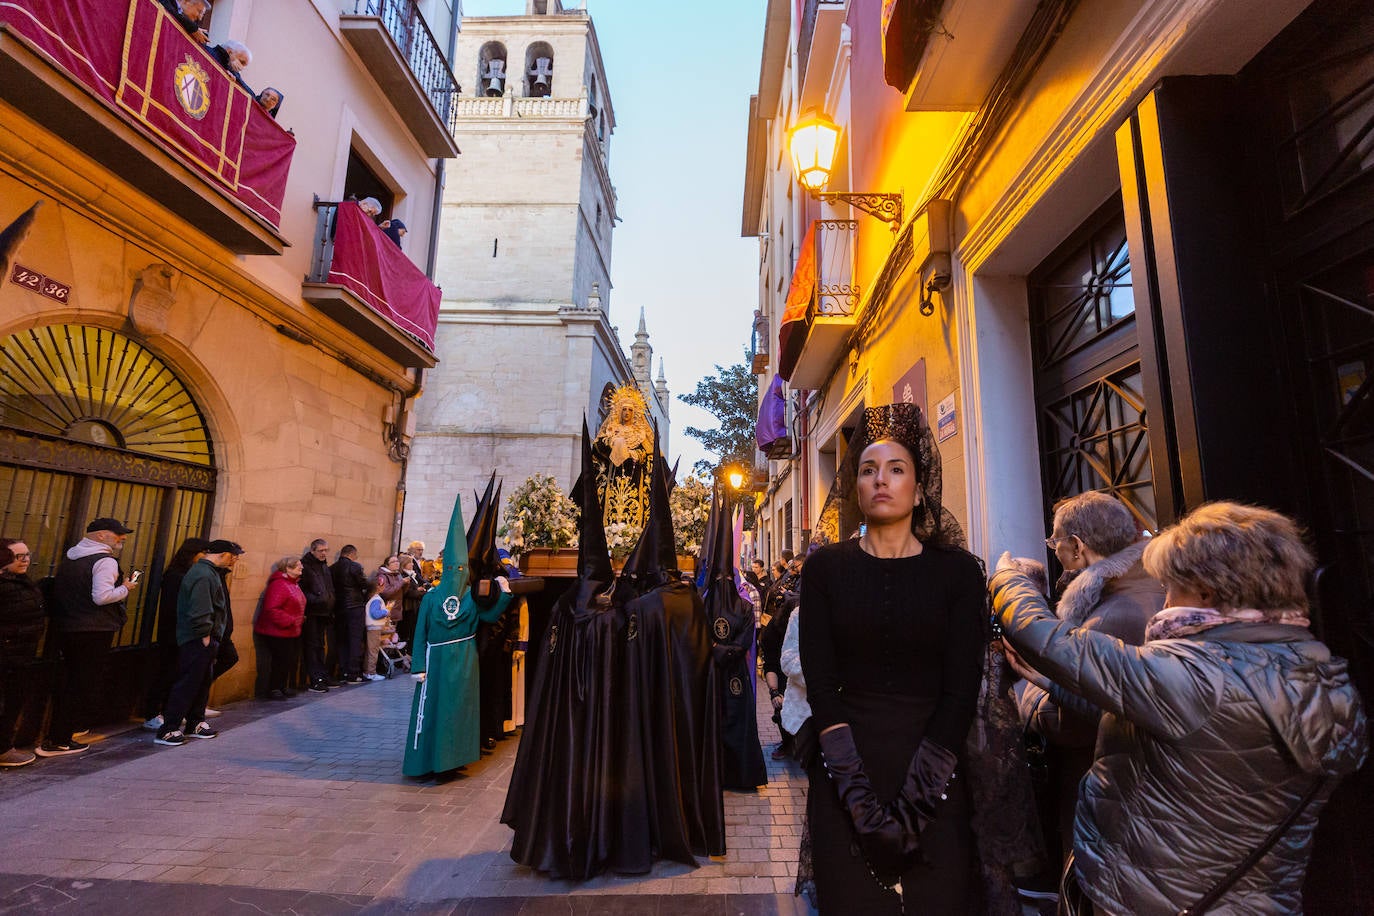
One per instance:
(89,591)
(202,616)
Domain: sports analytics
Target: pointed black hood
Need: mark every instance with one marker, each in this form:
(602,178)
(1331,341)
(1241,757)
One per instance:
(706,554)
(482,558)
(593,556)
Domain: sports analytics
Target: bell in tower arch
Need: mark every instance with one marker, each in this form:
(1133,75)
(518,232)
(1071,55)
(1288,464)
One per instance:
(494,77)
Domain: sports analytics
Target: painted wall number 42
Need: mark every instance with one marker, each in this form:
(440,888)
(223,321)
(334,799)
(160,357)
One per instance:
(47,286)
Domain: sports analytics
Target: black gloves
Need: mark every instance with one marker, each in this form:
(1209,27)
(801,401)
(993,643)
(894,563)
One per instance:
(888,848)
(927,778)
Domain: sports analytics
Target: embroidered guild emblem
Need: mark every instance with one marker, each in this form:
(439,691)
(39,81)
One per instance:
(553,638)
(192,86)
(722,628)
(736,686)
(451,608)
(632,628)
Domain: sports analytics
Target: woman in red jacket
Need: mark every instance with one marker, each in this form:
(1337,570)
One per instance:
(277,629)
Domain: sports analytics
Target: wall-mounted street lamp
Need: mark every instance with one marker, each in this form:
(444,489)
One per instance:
(812,142)
(736,478)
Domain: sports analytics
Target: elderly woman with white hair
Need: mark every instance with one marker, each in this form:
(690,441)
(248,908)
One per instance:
(1222,736)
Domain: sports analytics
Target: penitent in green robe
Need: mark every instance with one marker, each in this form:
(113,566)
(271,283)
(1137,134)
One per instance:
(444,732)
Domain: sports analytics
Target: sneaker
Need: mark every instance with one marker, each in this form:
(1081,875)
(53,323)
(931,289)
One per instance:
(203,730)
(375,677)
(355,679)
(1039,888)
(212,713)
(318,687)
(153,724)
(53,749)
(172,739)
(335,682)
(14,757)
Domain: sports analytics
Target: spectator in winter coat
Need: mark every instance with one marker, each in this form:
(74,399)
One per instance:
(1096,537)
(202,616)
(165,649)
(22,619)
(1229,720)
(89,591)
(277,629)
(350,597)
(391,582)
(317,583)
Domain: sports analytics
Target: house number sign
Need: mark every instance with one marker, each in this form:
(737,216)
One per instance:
(32,279)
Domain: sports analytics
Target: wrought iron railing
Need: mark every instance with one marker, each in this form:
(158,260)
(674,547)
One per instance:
(835,294)
(406,25)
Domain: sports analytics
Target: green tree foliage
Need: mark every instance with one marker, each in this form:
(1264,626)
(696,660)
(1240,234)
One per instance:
(731,396)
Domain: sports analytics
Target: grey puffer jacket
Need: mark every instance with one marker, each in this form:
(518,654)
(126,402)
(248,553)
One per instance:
(1206,743)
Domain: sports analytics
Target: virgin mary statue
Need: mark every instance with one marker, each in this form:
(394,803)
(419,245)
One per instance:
(621,455)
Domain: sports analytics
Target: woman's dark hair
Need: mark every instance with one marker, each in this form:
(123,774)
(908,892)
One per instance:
(7,555)
(186,553)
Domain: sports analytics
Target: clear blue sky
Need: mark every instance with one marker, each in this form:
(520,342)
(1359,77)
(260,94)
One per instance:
(680,78)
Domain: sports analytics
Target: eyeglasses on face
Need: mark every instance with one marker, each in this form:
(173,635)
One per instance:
(1053,542)
(23,556)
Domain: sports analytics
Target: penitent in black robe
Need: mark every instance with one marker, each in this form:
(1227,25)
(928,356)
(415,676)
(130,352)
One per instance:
(668,671)
(731,620)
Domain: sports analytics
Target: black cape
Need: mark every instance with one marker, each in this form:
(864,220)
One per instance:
(731,621)
(564,802)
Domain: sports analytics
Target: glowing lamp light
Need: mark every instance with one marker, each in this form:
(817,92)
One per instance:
(812,142)
(736,478)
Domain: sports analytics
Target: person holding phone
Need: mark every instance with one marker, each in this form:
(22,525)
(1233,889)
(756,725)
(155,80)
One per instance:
(89,591)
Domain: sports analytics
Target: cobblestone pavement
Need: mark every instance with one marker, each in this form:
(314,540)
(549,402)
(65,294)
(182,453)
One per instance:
(300,807)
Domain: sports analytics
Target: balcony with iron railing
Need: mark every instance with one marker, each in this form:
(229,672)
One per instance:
(362,280)
(400,53)
(122,84)
(821,304)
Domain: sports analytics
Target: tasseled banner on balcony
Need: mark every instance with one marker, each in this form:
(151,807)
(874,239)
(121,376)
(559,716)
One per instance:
(792,328)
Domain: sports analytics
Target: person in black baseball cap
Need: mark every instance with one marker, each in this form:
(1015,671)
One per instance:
(108,524)
(89,592)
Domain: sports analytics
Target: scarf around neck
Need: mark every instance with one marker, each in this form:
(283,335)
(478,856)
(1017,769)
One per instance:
(1176,622)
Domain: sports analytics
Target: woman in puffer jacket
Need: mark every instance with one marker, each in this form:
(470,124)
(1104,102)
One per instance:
(277,629)
(1095,538)
(1213,732)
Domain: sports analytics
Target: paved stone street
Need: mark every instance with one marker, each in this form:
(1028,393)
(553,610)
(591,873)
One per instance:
(300,807)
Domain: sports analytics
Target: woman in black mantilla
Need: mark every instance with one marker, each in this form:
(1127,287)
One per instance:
(892,645)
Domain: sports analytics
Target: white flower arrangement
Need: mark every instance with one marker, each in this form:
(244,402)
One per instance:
(691,503)
(621,538)
(539,514)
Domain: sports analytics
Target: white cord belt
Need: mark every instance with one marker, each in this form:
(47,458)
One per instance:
(424,688)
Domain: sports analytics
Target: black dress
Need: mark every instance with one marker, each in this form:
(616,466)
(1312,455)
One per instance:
(894,648)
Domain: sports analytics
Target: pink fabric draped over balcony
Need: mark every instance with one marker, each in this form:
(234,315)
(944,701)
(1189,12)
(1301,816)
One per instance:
(375,269)
(135,57)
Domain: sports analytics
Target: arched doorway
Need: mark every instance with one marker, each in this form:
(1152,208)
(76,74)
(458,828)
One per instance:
(93,423)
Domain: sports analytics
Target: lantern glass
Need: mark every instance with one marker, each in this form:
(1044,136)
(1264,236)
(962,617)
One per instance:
(812,142)
(736,479)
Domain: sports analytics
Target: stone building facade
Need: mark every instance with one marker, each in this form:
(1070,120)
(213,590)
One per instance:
(172,368)
(525,341)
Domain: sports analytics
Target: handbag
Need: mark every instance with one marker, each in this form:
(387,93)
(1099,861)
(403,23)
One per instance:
(1074,902)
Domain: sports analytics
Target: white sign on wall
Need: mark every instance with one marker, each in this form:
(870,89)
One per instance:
(946,419)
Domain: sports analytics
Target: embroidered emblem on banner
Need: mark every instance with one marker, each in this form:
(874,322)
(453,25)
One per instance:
(736,686)
(553,638)
(722,628)
(632,628)
(192,85)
